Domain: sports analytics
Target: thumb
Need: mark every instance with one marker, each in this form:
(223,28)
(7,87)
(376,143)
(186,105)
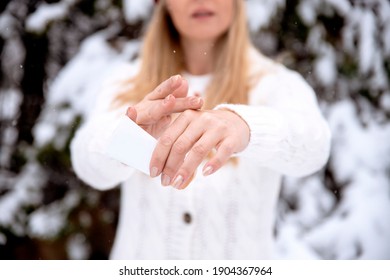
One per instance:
(131,113)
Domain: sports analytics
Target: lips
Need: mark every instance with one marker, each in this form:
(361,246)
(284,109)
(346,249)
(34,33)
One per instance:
(202,14)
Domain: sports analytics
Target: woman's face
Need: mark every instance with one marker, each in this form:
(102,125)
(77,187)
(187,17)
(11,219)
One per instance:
(201,19)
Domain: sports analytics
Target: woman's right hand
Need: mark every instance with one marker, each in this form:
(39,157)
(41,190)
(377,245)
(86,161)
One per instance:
(154,112)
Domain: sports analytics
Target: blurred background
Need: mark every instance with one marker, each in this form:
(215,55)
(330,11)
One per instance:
(55,53)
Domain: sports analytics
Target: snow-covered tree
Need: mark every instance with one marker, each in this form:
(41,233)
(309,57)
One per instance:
(55,52)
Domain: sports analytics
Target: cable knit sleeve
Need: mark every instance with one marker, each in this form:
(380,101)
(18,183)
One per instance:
(287,131)
(87,147)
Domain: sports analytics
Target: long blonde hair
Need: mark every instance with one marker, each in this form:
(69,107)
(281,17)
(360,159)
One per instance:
(162,57)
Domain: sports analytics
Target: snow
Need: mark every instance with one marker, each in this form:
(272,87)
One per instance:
(367,37)
(289,244)
(384,12)
(24,193)
(47,222)
(45,14)
(325,63)
(75,89)
(260,12)
(8,139)
(306,10)
(325,67)
(3,239)
(357,148)
(359,226)
(342,7)
(354,224)
(44,132)
(77,247)
(12,59)
(309,9)
(6,25)
(10,101)
(136,10)
(385,101)
(362,233)
(80,80)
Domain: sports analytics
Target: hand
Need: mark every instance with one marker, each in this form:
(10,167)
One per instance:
(190,139)
(153,113)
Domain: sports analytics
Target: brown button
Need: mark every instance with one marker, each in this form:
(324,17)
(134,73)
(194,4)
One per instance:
(187,218)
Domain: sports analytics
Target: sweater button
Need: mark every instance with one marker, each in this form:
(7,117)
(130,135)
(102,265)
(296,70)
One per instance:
(187,218)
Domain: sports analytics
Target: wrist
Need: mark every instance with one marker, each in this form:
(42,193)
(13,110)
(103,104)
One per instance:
(240,126)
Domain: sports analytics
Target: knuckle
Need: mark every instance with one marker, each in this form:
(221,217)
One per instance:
(166,141)
(228,148)
(186,116)
(218,123)
(223,125)
(199,150)
(208,118)
(180,147)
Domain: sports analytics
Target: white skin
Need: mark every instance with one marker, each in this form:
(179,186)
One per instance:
(183,144)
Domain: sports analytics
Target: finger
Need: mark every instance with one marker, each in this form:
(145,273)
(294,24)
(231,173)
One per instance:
(194,158)
(132,113)
(182,89)
(167,87)
(163,147)
(171,104)
(182,104)
(155,111)
(179,152)
(223,154)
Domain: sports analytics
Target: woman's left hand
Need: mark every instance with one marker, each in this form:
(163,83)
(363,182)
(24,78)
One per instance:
(190,139)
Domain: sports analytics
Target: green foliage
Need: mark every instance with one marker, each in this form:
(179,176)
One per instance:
(348,67)
(18,160)
(50,157)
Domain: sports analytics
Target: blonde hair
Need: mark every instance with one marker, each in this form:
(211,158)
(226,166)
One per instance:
(162,57)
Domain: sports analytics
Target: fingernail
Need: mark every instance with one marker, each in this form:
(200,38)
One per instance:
(195,101)
(175,79)
(127,111)
(165,180)
(153,172)
(208,171)
(178,181)
(167,99)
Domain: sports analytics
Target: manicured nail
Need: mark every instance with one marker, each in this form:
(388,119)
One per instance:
(195,101)
(167,99)
(153,172)
(128,111)
(165,180)
(208,170)
(178,182)
(175,79)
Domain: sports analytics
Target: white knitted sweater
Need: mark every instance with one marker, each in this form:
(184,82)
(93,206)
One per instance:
(230,214)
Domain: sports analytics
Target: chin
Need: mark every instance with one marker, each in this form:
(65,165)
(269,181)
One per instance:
(205,35)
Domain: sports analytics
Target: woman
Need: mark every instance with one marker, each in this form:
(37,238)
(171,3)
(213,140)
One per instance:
(237,120)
